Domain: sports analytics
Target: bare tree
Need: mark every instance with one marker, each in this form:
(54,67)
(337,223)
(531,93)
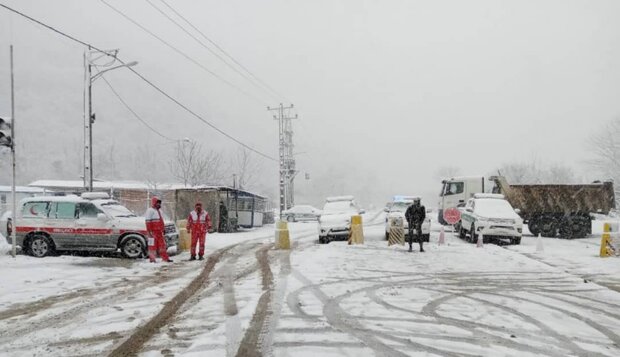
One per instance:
(246,167)
(535,172)
(105,162)
(605,147)
(188,164)
(445,172)
(193,167)
(215,170)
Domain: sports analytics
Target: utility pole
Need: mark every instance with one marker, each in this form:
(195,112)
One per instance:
(287,160)
(89,121)
(14,223)
(90,61)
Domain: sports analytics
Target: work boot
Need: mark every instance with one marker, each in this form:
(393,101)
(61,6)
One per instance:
(411,250)
(169,261)
(193,257)
(201,258)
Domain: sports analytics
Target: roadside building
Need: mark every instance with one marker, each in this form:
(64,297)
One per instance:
(245,209)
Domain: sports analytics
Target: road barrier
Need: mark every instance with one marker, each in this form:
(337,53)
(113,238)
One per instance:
(185,240)
(357,230)
(397,232)
(283,240)
(610,245)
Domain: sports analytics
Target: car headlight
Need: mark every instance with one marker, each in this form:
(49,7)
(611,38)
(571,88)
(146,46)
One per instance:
(481,225)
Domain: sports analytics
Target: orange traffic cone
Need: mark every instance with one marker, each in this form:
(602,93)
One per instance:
(539,244)
(442,237)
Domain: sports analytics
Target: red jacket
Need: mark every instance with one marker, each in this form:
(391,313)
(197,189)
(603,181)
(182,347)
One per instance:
(198,224)
(154,220)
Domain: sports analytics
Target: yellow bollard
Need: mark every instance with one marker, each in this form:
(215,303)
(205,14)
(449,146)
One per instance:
(357,231)
(283,240)
(607,249)
(185,240)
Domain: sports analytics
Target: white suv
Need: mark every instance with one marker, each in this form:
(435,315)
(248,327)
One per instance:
(493,217)
(88,223)
(335,220)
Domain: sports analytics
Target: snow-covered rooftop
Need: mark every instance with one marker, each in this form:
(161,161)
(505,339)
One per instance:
(123,185)
(22,189)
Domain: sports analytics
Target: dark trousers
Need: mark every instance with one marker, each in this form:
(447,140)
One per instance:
(418,228)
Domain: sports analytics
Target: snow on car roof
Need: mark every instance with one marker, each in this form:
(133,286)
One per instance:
(403,198)
(67,198)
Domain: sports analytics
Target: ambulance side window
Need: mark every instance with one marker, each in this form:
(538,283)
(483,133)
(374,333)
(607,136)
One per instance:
(63,210)
(35,209)
(88,210)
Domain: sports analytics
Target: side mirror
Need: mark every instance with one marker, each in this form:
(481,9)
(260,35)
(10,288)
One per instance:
(102,217)
(469,209)
(362,211)
(386,209)
(518,211)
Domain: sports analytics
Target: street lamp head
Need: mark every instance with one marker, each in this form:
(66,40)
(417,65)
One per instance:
(96,76)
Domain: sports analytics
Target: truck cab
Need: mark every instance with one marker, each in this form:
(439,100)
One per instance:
(456,191)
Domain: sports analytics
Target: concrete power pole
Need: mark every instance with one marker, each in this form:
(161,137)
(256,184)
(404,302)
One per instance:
(287,160)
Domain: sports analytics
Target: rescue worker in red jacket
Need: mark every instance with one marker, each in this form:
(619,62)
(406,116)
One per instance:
(155,229)
(198,224)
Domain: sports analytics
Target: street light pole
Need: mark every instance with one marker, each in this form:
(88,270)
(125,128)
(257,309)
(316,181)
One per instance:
(90,128)
(91,115)
(14,222)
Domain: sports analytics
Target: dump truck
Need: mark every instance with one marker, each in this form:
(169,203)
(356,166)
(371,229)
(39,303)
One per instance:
(548,209)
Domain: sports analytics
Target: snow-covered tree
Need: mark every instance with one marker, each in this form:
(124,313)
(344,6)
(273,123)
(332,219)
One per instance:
(536,172)
(605,147)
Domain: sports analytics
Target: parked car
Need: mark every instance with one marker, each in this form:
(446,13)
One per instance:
(396,211)
(301,213)
(493,217)
(89,223)
(335,220)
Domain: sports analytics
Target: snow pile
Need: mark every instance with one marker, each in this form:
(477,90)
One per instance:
(5,247)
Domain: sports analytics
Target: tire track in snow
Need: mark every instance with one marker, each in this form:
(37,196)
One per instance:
(134,343)
(251,343)
(71,313)
(294,305)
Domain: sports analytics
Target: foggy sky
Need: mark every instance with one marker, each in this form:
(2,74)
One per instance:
(387,92)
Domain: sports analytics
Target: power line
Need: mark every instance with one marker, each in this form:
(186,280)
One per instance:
(145,80)
(224,52)
(211,50)
(185,55)
(133,111)
(198,116)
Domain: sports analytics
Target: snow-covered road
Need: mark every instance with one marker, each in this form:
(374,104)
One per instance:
(319,300)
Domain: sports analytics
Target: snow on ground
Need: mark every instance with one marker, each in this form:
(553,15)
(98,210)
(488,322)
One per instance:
(44,300)
(577,256)
(5,247)
(455,299)
(328,300)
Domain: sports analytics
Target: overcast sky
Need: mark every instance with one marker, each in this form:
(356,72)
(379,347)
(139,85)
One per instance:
(387,92)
